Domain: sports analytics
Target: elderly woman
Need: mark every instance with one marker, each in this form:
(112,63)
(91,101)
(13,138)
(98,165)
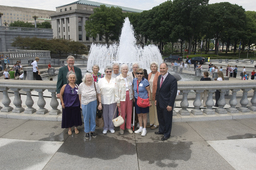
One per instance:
(141,89)
(124,96)
(96,74)
(71,114)
(115,72)
(88,92)
(107,89)
(135,66)
(153,77)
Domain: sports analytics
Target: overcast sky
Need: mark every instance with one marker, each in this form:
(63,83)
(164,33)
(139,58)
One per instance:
(248,5)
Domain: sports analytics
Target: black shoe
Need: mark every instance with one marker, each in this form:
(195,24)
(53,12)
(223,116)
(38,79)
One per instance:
(159,133)
(93,134)
(164,138)
(87,135)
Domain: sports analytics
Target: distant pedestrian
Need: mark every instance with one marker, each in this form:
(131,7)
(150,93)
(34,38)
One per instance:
(36,71)
(245,76)
(252,74)
(217,93)
(205,93)
(6,74)
(235,71)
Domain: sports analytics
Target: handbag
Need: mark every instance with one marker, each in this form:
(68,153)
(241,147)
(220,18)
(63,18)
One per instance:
(98,112)
(117,121)
(140,101)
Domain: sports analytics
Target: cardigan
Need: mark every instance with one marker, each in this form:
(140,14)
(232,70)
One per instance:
(154,84)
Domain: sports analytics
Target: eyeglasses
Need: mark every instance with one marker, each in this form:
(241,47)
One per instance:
(140,73)
(108,71)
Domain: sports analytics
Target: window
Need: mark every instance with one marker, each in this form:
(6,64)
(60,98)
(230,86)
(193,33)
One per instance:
(69,37)
(13,14)
(58,21)
(17,17)
(100,37)
(63,21)
(67,20)
(70,8)
(68,29)
(59,29)
(79,28)
(87,38)
(79,19)
(60,10)
(63,29)
(64,37)
(10,13)
(80,37)
(65,9)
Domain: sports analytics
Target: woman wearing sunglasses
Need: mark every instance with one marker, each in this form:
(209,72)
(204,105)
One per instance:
(141,89)
(107,89)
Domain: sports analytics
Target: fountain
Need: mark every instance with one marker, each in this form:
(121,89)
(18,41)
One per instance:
(127,52)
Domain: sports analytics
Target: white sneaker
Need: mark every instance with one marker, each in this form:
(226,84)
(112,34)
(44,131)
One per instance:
(144,132)
(105,132)
(139,130)
(112,131)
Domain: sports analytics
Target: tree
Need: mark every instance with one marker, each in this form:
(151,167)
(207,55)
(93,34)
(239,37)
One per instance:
(250,31)
(21,24)
(106,22)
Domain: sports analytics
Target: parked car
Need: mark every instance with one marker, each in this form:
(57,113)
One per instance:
(200,60)
(173,58)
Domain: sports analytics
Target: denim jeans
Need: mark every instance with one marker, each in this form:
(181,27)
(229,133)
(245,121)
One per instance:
(89,113)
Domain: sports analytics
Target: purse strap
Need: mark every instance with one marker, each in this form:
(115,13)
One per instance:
(96,93)
(115,112)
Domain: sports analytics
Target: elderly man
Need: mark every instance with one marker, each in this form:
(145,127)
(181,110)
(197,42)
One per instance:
(115,72)
(62,76)
(165,97)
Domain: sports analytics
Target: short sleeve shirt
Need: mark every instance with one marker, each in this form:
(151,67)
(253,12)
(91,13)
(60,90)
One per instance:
(34,64)
(143,93)
(87,93)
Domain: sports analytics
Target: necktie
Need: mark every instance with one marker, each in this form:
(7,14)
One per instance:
(162,80)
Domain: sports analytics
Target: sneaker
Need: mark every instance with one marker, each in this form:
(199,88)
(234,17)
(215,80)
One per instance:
(121,131)
(139,130)
(130,131)
(105,132)
(93,134)
(144,132)
(112,131)
(87,135)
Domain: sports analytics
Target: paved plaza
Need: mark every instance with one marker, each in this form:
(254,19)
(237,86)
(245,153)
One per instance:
(223,144)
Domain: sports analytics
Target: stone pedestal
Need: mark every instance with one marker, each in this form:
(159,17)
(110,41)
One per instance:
(198,72)
(28,73)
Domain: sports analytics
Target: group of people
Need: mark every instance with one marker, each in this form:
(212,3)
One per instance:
(116,93)
(14,72)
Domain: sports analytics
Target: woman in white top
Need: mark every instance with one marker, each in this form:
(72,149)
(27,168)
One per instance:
(124,96)
(107,89)
(217,93)
(88,101)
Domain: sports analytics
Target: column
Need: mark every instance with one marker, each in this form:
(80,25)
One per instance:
(253,101)
(233,102)
(17,101)
(54,103)
(184,103)
(244,101)
(29,102)
(197,103)
(6,100)
(221,102)
(209,103)
(41,102)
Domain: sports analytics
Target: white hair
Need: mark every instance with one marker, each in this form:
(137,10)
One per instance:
(136,64)
(85,75)
(107,68)
(95,65)
(71,57)
(70,73)
(115,64)
(124,65)
(154,63)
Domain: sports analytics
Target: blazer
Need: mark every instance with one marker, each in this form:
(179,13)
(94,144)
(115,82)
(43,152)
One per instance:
(62,77)
(166,95)
(154,84)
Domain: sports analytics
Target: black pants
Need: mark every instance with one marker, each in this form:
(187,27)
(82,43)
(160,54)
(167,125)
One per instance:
(234,74)
(165,121)
(36,76)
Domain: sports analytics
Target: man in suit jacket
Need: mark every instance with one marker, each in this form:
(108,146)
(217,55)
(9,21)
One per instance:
(165,97)
(62,76)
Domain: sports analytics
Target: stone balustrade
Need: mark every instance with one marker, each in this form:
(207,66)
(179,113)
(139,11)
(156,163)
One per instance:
(18,87)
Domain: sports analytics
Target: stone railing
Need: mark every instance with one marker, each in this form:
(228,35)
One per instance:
(195,88)
(3,28)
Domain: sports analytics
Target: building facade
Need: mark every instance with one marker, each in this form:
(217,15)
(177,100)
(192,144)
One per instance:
(11,14)
(68,22)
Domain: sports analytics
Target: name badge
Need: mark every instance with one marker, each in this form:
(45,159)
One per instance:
(141,85)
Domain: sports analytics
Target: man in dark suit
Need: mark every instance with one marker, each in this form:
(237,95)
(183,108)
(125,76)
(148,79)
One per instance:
(165,97)
(62,76)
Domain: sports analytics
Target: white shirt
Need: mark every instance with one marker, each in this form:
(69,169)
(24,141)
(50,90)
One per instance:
(6,74)
(34,64)
(120,88)
(87,93)
(219,79)
(107,89)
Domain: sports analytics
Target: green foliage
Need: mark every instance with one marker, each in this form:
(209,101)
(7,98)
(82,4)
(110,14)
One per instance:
(26,24)
(106,22)
(56,46)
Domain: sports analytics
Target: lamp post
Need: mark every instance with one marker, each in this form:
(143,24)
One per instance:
(35,17)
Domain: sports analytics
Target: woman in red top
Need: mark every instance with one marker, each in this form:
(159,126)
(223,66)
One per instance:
(252,75)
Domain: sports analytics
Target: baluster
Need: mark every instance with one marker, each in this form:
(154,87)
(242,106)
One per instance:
(244,101)
(233,102)
(197,103)
(184,103)
(6,100)
(41,102)
(54,103)
(29,102)
(253,101)
(209,103)
(17,101)
(222,102)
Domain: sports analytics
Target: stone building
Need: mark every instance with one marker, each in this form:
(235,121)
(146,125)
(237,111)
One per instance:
(68,22)
(11,14)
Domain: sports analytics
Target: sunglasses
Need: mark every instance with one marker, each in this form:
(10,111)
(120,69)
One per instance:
(108,71)
(140,73)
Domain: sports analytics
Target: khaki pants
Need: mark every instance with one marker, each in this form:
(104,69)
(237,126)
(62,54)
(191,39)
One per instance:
(153,113)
